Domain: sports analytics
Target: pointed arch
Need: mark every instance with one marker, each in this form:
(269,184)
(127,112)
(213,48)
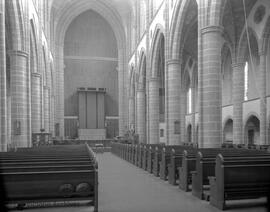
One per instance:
(155,47)
(142,70)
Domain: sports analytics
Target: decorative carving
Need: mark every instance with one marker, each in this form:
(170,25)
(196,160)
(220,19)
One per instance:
(259,14)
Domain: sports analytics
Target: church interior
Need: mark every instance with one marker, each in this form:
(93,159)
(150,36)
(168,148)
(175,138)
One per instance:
(136,105)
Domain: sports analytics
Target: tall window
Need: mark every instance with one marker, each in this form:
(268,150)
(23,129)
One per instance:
(246,82)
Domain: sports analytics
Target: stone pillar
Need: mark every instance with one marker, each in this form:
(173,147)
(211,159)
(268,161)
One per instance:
(3,81)
(183,111)
(193,106)
(141,115)
(121,93)
(60,89)
(131,115)
(46,93)
(52,115)
(238,98)
(263,110)
(174,80)
(211,87)
(35,100)
(153,110)
(19,98)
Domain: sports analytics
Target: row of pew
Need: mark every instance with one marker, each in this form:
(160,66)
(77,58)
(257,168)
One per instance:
(213,174)
(50,174)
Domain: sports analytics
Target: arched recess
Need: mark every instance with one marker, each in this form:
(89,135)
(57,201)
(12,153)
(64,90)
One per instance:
(189,133)
(66,15)
(141,109)
(227,75)
(132,99)
(250,56)
(252,130)
(156,98)
(228,131)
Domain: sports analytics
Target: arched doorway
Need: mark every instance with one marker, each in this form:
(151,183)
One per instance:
(189,133)
(252,130)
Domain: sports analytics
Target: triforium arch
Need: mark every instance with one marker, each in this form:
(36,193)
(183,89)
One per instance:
(156,99)
(67,14)
(141,99)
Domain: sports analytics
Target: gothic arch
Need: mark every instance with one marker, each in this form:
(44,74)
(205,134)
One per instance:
(14,25)
(142,70)
(242,49)
(177,28)
(155,47)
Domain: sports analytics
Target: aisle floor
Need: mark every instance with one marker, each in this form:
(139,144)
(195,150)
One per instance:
(124,187)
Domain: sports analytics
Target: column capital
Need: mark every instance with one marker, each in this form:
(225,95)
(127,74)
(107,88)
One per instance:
(173,61)
(36,74)
(18,53)
(212,28)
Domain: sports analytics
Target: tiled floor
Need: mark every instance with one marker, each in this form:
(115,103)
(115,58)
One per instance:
(124,187)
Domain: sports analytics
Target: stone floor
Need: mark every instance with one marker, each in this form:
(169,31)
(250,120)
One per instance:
(124,187)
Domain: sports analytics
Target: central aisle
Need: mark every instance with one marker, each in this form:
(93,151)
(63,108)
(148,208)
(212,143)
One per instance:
(124,187)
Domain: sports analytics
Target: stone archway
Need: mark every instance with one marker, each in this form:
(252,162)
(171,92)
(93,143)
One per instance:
(228,131)
(252,130)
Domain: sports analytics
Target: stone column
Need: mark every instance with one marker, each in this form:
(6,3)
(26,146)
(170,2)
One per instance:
(131,115)
(238,98)
(3,81)
(183,111)
(141,115)
(19,98)
(46,93)
(263,110)
(211,91)
(60,88)
(121,93)
(153,110)
(35,101)
(174,84)
(193,106)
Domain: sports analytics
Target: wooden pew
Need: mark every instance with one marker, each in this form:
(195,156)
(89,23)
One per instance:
(176,163)
(145,154)
(37,180)
(156,160)
(140,155)
(245,177)
(184,171)
(168,164)
(205,166)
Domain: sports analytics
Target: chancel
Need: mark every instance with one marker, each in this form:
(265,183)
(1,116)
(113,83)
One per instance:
(135,105)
